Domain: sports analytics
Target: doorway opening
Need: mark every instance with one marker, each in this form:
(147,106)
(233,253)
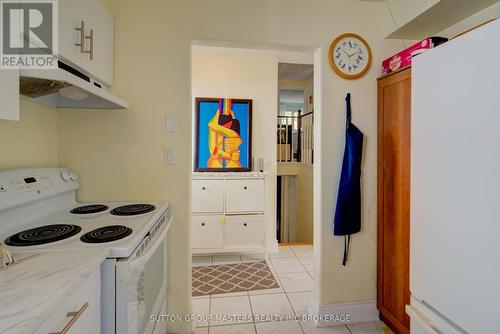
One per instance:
(238,264)
(295,154)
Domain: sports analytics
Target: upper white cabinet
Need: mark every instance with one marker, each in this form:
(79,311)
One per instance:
(9,95)
(86,37)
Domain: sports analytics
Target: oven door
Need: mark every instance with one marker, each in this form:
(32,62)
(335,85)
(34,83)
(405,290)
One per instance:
(141,283)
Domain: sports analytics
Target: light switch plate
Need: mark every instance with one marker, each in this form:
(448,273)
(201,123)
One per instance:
(169,156)
(170,123)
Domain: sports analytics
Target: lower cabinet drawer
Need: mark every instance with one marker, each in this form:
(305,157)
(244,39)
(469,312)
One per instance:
(245,231)
(81,311)
(207,232)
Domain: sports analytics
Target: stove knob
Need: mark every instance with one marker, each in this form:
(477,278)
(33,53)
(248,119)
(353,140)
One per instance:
(73,176)
(66,175)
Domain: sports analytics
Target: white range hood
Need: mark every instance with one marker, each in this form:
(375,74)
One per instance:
(67,87)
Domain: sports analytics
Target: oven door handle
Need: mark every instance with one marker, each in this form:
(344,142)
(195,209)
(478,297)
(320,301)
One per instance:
(140,261)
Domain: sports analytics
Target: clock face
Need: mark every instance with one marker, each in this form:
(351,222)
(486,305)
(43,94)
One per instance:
(350,56)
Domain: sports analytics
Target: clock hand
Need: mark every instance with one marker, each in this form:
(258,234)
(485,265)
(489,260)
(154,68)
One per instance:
(345,52)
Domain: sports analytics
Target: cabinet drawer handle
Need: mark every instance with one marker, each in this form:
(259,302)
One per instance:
(245,187)
(244,224)
(203,188)
(81,29)
(75,316)
(202,224)
(91,41)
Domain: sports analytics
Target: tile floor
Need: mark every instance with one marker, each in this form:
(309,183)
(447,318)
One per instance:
(292,268)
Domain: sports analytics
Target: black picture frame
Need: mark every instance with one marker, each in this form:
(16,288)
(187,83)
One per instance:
(197,127)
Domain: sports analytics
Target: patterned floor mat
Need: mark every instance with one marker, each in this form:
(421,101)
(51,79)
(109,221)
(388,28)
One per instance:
(227,278)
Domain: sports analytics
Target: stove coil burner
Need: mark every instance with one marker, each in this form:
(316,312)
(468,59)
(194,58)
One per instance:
(106,234)
(43,235)
(88,209)
(132,209)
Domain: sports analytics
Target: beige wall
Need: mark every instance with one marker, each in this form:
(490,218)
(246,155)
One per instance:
(304,174)
(119,154)
(252,77)
(32,141)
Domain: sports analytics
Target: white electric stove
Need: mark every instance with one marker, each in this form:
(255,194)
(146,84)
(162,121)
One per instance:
(39,213)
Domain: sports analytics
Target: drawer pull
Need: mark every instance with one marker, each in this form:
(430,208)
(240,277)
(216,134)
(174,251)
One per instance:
(202,224)
(81,30)
(245,187)
(203,188)
(75,316)
(244,224)
(91,40)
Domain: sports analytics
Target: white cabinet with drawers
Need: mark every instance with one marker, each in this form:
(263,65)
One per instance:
(228,214)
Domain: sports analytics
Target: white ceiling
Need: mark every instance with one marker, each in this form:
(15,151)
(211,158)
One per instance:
(295,71)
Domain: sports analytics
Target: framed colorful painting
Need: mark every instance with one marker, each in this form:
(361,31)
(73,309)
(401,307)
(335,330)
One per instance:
(223,135)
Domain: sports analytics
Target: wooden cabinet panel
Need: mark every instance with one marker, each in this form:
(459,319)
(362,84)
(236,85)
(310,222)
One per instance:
(394,117)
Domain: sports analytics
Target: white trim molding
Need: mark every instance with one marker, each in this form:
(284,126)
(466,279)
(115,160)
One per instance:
(343,313)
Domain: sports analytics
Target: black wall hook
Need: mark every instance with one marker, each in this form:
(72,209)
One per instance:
(348,110)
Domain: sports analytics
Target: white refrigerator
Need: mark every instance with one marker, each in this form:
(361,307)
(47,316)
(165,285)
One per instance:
(455,186)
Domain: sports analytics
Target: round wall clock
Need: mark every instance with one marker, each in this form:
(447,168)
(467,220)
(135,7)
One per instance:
(350,56)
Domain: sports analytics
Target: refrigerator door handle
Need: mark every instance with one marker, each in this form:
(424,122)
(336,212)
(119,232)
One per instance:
(424,321)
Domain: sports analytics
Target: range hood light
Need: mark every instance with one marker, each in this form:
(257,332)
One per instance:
(73,93)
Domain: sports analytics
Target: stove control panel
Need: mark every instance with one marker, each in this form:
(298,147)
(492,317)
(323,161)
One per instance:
(30,183)
(22,186)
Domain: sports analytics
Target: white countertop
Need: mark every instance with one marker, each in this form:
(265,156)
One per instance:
(36,286)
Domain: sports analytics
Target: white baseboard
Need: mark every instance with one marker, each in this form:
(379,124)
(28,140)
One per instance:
(343,313)
(273,246)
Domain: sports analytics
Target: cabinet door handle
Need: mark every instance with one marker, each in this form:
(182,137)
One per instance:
(74,317)
(81,29)
(244,224)
(91,41)
(245,187)
(202,224)
(203,188)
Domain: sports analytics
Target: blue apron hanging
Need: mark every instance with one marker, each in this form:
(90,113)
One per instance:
(347,219)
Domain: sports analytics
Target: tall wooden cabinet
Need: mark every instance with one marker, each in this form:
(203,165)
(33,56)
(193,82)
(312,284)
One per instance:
(393,217)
